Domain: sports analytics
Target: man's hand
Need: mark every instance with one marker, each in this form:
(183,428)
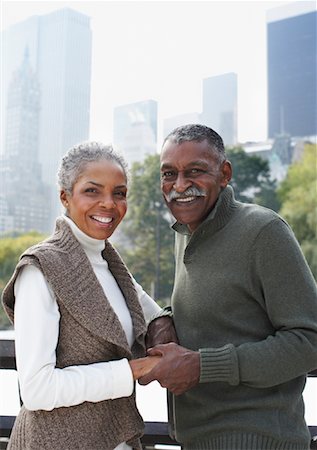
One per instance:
(160,331)
(178,370)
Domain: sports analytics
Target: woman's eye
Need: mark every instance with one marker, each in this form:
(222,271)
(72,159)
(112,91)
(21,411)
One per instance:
(91,190)
(121,194)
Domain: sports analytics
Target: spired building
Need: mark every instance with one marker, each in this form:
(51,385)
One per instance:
(292,70)
(135,130)
(220,106)
(24,197)
(60,54)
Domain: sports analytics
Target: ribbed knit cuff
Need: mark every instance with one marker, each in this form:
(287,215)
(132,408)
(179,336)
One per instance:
(219,364)
(165,312)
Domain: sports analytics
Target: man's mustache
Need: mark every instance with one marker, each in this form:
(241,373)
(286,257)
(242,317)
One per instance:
(190,192)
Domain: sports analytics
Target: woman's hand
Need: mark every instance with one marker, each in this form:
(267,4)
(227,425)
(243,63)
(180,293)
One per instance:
(178,370)
(143,366)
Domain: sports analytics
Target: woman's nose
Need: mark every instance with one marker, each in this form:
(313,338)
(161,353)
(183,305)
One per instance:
(107,202)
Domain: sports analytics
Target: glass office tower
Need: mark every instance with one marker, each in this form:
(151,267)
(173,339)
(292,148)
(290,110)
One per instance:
(292,65)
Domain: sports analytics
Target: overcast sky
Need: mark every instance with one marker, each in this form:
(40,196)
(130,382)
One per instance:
(163,49)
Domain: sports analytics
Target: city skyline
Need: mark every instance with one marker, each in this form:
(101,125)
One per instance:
(188,42)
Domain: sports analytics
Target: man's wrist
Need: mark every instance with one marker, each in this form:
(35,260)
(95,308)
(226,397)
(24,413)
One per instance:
(165,312)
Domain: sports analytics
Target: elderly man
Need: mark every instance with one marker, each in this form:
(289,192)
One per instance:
(244,307)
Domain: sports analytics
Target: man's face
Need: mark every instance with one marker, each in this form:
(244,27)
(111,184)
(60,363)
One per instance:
(191,180)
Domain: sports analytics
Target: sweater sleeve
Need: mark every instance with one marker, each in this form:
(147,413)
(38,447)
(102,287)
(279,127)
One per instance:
(281,278)
(149,306)
(43,386)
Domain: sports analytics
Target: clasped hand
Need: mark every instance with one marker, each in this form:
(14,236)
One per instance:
(177,369)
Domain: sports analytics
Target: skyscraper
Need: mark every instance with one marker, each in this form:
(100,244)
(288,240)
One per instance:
(292,66)
(24,196)
(135,130)
(60,55)
(220,106)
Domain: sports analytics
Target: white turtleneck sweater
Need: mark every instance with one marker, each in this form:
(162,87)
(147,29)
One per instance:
(43,386)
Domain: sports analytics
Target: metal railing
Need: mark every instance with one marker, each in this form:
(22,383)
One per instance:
(155,432)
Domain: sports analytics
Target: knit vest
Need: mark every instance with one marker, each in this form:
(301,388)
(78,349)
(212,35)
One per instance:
(90,332)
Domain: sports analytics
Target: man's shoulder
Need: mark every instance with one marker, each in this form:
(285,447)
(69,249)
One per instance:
(257,213)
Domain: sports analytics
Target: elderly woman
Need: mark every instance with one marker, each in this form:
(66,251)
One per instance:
(79,318)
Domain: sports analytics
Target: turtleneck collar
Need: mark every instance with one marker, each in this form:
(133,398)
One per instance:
(91,245)
(218,216)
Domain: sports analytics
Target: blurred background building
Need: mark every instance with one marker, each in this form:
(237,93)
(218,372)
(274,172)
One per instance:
(59,49)
(292,66)
(135,130)
(24,205)
(220,100)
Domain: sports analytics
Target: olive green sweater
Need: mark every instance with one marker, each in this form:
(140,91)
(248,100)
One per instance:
(246,299)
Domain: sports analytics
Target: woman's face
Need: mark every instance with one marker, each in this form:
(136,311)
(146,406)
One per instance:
(98,202)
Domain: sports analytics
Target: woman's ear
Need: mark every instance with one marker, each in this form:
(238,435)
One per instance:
(226,171)
(63,198)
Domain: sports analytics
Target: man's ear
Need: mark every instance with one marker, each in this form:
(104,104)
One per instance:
(226,170)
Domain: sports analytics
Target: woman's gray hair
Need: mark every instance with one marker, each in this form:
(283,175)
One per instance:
(76,159)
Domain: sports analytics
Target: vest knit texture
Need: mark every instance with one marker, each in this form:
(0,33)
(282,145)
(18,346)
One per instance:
(245,298)
(90,332)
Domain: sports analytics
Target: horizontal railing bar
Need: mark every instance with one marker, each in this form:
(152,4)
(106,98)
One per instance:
(155,432)
(7,356)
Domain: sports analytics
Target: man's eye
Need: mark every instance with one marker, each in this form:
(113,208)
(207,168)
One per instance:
(194,171)
(168,174)
(91,190)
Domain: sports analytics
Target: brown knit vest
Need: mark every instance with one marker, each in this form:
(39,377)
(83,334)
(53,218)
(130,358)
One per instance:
(89,332)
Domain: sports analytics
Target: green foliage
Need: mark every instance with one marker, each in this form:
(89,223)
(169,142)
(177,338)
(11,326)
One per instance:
(297,194)
(10,250)
(251,179)
(149,250)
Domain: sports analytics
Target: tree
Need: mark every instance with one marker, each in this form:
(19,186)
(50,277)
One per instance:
(297,194)
(10,250)
(149,249)
(251,179)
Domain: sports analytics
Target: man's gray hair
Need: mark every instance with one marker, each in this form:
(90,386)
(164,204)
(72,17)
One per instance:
(76,159)
(198,133)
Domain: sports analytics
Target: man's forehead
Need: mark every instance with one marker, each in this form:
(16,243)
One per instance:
(171,163)
(187,152)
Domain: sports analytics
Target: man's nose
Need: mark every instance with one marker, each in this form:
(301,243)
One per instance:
(181,183)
